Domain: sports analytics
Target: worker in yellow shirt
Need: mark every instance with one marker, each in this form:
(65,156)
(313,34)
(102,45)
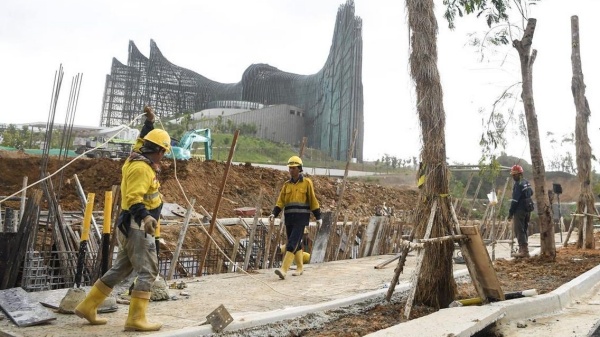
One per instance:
(297,200)
(141,204)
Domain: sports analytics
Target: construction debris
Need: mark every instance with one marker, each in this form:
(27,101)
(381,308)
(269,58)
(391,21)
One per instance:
(23,311)
(219,318)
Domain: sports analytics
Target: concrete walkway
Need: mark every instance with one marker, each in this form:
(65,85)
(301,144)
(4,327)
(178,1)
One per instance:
(261,299)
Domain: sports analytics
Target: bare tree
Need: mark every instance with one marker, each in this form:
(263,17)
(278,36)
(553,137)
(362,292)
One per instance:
(582,143)
(436,286)
(527,58)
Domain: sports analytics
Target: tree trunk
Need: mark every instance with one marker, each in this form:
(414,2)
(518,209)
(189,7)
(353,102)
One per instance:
(582,142)
(539,172)
(435,286)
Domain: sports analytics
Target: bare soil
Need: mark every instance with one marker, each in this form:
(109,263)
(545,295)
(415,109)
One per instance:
(514,275)
(202,180)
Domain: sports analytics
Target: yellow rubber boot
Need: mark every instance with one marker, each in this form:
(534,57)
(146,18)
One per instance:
(136,320)
(287,262)
(299,259)
(88,307)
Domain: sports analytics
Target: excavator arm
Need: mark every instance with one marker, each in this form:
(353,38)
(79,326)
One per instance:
(183,150)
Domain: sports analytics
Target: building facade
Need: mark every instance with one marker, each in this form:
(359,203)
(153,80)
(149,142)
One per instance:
(331,101)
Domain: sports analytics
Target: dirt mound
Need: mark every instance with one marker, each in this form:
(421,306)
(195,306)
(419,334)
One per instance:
(202,180)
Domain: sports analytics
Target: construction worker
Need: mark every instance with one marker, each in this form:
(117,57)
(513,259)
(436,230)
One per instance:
(519,212)
(297,199)
(141,204)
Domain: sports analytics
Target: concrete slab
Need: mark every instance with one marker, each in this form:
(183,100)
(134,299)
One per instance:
(458,322)
(255,299)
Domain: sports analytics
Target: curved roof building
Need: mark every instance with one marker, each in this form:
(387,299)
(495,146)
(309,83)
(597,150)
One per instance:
(330,101)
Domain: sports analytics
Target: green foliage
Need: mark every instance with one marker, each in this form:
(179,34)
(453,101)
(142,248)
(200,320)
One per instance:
(457,188)
(493,11)
(394,162)
(250,149)
(25,138)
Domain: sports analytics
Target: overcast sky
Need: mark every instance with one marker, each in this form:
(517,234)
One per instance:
(221,38)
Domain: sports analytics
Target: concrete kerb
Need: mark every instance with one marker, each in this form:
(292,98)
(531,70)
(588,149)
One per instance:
(442,323)
(254,319)
(479,317)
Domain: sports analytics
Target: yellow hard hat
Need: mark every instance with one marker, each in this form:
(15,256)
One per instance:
(294,161)
(159,137)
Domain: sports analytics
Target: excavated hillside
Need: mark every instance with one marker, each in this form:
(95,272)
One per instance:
(201,180)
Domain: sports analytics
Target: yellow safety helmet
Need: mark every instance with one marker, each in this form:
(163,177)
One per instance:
(294,161)
(159,137)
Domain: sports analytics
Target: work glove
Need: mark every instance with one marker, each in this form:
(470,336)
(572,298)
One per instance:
(271,217)
(149,113)
(150,224)
(319,222)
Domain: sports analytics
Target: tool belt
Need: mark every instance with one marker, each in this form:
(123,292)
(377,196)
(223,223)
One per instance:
(125,220)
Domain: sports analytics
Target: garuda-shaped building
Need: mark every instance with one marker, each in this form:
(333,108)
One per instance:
(325,107)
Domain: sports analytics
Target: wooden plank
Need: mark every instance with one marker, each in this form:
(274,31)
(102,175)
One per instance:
(480,265)
(369,235)
(320,246)
(379,233)
(351,240)
(278,239)
(22,310)
(268,239)
(343,239)
(181,238)
(236,246)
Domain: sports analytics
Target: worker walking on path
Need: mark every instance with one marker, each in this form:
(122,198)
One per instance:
(521,206)
(297,199)
(141,204)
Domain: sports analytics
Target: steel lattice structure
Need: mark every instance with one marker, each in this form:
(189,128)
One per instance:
(331,99)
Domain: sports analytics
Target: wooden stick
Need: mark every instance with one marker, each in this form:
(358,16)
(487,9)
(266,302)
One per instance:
(181,238)
(23,199)
(252,231)
(268,240)
(415,276)
(388,261)
(236,246)
(218,203)
(340,198)
(569,232)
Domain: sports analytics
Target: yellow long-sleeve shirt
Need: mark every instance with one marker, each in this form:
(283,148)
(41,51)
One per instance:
(139,184)
(298,198)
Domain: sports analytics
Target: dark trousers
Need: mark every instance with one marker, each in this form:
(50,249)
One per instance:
(294,228)
(520,226)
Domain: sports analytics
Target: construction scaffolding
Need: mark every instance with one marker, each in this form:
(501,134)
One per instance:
(331,100)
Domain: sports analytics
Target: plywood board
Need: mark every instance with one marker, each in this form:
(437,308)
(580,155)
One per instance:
(383,220)
(22,310)
(480,265)
(319,248)
(369,236)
